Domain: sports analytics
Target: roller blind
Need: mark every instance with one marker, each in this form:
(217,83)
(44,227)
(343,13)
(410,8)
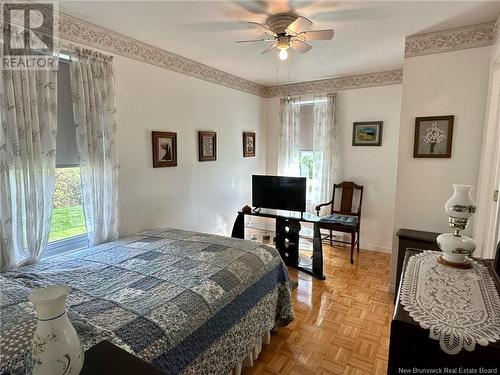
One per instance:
(66,153)
(306,127)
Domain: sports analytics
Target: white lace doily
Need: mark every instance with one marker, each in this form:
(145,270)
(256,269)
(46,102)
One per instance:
(459,307)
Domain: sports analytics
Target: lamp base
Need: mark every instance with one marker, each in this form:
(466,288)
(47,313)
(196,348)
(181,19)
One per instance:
(464,266)
(455,248)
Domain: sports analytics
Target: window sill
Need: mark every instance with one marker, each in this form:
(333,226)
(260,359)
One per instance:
(66,245)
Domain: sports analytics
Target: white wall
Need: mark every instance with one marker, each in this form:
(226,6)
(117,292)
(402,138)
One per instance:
(452,83)
(203,196)
(371,166)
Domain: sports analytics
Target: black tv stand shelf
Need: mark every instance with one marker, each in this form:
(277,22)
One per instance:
(287,237)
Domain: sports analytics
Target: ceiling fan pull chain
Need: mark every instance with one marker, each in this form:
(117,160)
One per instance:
(289,71)
(277,72)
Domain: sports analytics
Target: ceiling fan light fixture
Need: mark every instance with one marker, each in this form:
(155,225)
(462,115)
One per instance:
(286,30)
(283,54)
(283,46)
(283,42)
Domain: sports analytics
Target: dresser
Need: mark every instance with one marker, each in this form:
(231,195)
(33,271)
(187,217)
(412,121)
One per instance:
(415,239)
(410,346)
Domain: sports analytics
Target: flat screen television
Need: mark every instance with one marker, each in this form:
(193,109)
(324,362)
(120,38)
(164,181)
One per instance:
(281,193)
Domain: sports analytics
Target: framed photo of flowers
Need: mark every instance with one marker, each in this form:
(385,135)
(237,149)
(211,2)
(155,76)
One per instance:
(164,149)
(433,137)
(207,146)
(248,144)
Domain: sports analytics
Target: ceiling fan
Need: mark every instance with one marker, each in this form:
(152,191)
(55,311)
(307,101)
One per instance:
(285,30)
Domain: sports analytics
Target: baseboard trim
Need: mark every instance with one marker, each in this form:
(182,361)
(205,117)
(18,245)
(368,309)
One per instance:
(377,248)
(392,288)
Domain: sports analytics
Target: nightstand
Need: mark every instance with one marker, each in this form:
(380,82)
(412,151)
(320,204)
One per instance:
(108,359)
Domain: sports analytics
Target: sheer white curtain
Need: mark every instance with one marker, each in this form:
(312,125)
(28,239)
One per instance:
(326,155)
(93,93)
(28,115)
(289,141)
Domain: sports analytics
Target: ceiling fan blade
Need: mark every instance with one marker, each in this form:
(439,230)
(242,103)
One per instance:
(297,25)
(255,40)
(316,35)
(270,48)
(267,29)
(300,46)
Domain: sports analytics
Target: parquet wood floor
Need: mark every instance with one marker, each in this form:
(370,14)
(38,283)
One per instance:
(342,324)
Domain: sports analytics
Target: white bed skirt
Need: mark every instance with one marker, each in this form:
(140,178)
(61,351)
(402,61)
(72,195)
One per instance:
(253,355)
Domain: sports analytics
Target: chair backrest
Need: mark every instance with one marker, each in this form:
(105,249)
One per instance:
(348,192)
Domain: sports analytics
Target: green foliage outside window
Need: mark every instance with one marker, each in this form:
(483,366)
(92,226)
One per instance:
(306,167)
(67,215)
(306,164)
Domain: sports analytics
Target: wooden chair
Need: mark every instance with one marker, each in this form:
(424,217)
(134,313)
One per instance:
(343,220)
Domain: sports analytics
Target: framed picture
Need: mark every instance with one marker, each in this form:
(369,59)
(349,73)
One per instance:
(164,149)
(207,146)
(367,133)
(433,137)
(248,144)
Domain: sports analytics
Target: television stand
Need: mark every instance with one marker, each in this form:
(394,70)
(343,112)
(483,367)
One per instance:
(287,237)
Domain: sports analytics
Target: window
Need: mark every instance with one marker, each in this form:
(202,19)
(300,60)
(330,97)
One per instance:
(67,214)
(68,222)
(306,145)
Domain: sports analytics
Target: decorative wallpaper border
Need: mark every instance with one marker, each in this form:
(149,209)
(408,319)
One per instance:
(79,31)
(450,40)
(391,77)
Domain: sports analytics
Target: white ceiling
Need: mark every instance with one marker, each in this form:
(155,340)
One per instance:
(369,35)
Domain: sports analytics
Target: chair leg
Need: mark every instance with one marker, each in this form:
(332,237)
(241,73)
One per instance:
(353,236)
(331,238)
(358,242)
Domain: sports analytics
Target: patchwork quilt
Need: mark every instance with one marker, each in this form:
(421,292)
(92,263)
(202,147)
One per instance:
(187,302)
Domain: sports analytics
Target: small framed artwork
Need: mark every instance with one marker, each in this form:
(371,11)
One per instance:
(164,149)
(367,133)
(207,146)
(433,137)
(248,144)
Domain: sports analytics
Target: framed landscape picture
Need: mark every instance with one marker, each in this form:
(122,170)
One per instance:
(164,149)
(207,146)
(367,133)
(433,137)
(248,144)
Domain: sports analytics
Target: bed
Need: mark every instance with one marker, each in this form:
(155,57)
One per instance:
(187,302)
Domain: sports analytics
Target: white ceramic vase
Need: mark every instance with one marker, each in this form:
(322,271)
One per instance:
(56,348)
(460,207)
